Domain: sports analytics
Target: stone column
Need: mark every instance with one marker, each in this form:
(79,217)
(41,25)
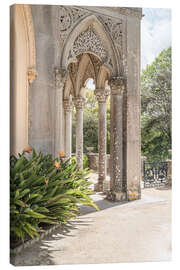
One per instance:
(60,77)
(117,183)
(68,127)
(102,95)
(79,103)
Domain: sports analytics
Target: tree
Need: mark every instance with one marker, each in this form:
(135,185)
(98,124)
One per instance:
(156,107)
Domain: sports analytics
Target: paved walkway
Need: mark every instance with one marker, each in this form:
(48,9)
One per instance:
(137,231)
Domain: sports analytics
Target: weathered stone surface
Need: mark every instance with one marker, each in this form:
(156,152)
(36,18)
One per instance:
(102,96)
(68,127)
(79,103)
(73,44)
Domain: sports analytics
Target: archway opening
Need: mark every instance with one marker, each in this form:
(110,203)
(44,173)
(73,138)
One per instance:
(89,89)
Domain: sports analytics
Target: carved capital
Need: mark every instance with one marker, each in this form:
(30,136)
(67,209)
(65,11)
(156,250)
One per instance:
(79,102)
(118,85)
(68,105)
(102,95)
(32,74)
(60,76)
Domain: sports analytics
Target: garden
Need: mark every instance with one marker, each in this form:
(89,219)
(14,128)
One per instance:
(44,192)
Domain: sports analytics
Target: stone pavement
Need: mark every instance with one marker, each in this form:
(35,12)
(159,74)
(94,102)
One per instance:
(137,231)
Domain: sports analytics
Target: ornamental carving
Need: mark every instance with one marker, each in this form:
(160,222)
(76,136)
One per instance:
(88,41)
(79,102)
(118,85)
(102,95)
(115,29)
(68,105)
(60,76)
(66,18)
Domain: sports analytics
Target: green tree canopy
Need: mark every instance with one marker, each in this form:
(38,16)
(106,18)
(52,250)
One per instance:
(156,107)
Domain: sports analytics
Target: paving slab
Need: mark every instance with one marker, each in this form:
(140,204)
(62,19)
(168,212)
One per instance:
(137,231)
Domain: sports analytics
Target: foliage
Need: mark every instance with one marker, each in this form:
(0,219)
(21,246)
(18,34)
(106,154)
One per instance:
(85,161)
(156,107)
(44,191)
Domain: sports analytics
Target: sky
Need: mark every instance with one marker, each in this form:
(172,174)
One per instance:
(155,33)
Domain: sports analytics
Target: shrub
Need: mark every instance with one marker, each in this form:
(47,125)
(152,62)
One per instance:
(44,191)
(85,161)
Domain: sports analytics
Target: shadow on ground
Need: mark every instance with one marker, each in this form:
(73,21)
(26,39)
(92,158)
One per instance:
(41,251)
(101,202)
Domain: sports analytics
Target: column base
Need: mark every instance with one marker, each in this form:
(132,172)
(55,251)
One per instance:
(106,186)
(98,187)
(116,196)
(133,195)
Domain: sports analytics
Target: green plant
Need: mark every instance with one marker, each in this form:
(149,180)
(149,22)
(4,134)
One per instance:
(85,162)
(156,98)
(44,191)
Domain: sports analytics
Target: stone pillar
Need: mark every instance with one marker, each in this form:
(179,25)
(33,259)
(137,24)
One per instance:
(117,183)
(68,127)
(102,95)
(60,77)
(79,103)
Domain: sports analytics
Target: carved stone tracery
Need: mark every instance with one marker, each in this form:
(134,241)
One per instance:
(66,17)
(88,41)
(115,29)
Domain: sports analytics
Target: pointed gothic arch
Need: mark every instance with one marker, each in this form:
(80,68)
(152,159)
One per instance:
(89,36)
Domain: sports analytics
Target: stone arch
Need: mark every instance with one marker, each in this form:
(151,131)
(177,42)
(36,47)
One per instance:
(23,72)
(85,70)
(68,88)
(103,47)
(103,75)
